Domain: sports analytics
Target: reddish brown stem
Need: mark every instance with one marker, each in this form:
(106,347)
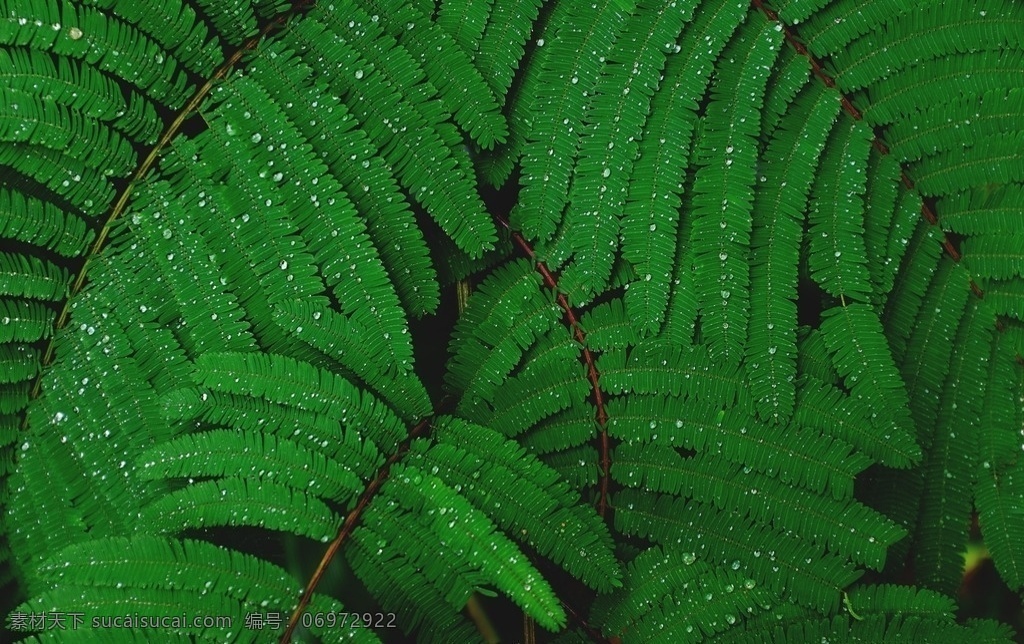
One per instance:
(349,525)
(140,174)
(848,106)
(551,281)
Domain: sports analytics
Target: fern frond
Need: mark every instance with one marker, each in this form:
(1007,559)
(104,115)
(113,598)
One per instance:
(949,127)
(18,363)
(1006,298)
(609,326)
(569,428)
(853,335)
(357,163)
(876,629)
(369,296)
(577,465)
(609,142)
(934,81)
(977,211)
(234,19)
(998,255)
(582,36)
(284,380)
(387,555)
(991,159)
(71,180)
(122,561)
(680,325)
(429,170)
(496,166)
(830,25)
(82,88)
(921,252)
(928,33)
(440,509)
(42,224)
(111,45)
(183,31)
(530,501)
(234,501)
(530,397)
(29,277)
(246,414)
(460,86)
(925,364)
(655,367)
(223,452)
(235,355)
(195,578)
(812,356)
(724,188)
(789,76)
(808,574)
(950,469)
(670,596)
(465,21)
(827,409)
(881,217)
(214,317)
(817,463)
(505,316)
(24,321)
(844,527)
(501,45)
(349,343)
(1000,471)
(779,202)
(838,259)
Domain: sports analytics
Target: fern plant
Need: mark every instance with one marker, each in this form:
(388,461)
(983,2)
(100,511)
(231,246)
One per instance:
(740,356)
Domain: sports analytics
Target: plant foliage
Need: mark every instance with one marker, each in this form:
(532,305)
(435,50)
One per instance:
(745,353)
